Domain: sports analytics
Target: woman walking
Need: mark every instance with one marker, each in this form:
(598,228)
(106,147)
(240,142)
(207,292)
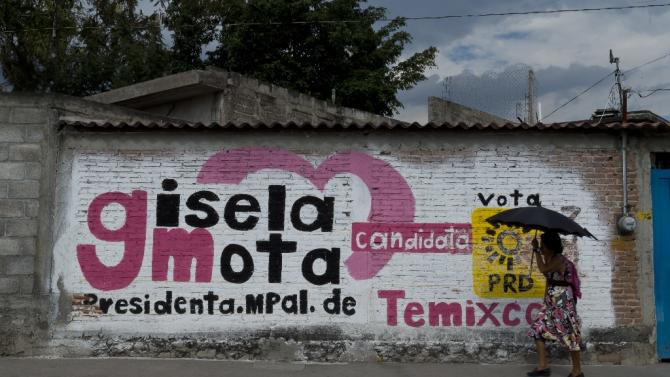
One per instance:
(558,320)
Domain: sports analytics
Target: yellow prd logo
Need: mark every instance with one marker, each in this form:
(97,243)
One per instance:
(501,259)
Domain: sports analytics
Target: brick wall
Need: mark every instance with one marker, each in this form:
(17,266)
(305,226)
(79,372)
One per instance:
(410,182)
(436,181)
(602,172)
(626,261)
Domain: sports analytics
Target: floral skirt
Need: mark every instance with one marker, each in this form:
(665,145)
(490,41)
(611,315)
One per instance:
(558,320)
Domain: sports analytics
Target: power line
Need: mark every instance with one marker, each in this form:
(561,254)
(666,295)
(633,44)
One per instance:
(647,63)
(421,18)
(575,10)
(651,92)
(580,94)
(610,74)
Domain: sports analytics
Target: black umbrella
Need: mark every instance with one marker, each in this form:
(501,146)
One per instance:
(540,218)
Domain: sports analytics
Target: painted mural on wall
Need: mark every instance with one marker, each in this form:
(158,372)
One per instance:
(501,259)
(257,237)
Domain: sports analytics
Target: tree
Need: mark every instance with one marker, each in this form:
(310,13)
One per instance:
(118,46)
(31,56)
(322,54)
(194,25)
(78,47)
(318,47)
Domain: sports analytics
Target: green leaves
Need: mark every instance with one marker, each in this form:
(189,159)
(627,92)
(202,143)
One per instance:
(311,46)
(78,47)
(193,24)
(29,54)
(335,45)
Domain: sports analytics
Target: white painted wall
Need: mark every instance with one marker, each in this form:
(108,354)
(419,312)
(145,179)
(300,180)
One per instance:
(444,178)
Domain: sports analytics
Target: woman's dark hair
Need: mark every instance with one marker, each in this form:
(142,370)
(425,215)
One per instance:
(552,241)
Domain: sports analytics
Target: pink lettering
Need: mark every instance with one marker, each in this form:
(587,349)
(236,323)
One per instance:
(506,314)
(469,314)
(412,309)
(132,234)
(452,313)
(183,247)
(488,314)
(447,312)
(391,297)
(530,317)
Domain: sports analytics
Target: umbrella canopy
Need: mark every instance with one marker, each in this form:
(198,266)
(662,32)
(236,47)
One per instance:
(540,218)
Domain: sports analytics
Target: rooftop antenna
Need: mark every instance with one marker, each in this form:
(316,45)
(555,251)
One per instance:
(623,93)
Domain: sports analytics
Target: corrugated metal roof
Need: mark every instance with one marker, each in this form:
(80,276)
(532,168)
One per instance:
(581,125)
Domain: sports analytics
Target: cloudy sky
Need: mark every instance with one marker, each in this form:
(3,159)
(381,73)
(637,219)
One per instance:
(568,52)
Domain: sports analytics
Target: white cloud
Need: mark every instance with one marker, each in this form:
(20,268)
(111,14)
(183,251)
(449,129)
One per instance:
(571,49)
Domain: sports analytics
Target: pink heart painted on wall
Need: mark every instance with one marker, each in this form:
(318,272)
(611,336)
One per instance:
(392,200)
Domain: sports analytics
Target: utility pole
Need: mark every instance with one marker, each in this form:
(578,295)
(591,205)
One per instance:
(623,93)
(626,223)
(530,99)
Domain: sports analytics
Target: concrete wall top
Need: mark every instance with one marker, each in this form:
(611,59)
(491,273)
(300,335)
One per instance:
(221,96)
(440,111)
(76,109)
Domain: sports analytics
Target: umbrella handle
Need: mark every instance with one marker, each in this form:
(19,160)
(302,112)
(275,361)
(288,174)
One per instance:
(530,270)
(532,256)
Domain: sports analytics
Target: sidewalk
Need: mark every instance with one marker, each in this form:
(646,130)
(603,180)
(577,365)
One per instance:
(195,368)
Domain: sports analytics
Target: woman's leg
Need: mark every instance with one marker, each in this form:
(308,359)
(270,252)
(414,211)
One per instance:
(542,355)
(576,363)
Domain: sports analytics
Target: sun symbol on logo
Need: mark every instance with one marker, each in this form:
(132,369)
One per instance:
(503,246)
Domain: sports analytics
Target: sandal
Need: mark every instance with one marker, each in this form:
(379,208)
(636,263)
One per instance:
(540,372)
